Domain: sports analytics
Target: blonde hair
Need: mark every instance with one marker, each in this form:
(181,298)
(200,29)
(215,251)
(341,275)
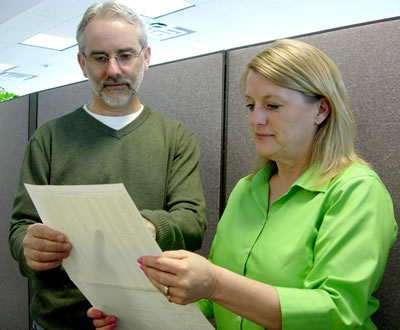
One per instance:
(301,67)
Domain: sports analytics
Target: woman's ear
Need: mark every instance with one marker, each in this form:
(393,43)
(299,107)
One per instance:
(323,111)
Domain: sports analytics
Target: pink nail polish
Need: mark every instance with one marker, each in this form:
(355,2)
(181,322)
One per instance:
(140,260)
(98,315)
(141,267)
(112,319)
(114,325)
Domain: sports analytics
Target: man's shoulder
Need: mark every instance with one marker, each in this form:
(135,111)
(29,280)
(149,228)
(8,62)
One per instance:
(68,119)
(65,117)
(158,115)
(165,119)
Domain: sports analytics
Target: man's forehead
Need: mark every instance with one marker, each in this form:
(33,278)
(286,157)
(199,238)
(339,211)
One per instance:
(110,24)
(110,34)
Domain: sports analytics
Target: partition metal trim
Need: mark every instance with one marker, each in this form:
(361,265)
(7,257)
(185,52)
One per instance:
(33,114)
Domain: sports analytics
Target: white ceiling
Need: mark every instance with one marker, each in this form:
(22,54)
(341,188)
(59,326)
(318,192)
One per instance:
(218,25)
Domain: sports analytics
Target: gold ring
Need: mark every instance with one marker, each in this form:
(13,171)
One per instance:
(166,289)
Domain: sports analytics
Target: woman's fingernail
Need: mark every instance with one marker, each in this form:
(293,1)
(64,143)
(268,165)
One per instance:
(140,260)
(113,325)
(98,315)
(112,319)
(142,268)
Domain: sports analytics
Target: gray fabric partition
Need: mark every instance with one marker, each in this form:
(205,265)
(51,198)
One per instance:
(14,116)
(192,91)
(368,57)
(56,102)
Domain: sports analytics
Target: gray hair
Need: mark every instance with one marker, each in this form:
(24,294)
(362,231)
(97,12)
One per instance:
(113,10)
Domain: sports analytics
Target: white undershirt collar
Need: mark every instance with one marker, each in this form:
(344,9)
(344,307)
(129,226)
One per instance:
(115,122)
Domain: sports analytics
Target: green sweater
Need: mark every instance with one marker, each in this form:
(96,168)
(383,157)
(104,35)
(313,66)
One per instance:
(155,157)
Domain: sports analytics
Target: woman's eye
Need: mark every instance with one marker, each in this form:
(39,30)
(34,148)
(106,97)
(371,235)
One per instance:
(250,106)
(273,106)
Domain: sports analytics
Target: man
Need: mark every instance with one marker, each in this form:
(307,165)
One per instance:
(114,139)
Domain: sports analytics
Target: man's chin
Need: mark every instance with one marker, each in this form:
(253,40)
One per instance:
(116,100)
(116,103)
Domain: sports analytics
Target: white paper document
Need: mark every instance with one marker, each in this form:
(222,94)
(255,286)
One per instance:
(108,235)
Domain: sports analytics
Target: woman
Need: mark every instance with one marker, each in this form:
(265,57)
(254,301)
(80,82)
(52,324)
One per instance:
(304,240)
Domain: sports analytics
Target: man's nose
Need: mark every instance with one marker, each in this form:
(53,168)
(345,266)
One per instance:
(113,66)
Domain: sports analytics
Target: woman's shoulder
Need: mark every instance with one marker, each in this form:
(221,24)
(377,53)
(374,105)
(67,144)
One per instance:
(355,171)
(357,176)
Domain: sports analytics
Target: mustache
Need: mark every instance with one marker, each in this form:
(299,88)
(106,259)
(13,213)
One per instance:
(116,80)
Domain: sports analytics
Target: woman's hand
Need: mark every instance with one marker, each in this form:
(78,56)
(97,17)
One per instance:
(101,321)
(184,277)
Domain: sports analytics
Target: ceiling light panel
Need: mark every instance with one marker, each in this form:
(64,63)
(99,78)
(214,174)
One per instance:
(163,31)
(16,76)
(49,41)
(156,8)
(4,67)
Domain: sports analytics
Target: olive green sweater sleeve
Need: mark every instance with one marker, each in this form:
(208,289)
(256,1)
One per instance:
(179,224)
(34,170)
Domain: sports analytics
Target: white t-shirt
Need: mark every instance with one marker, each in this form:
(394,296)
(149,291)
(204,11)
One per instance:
(115,122)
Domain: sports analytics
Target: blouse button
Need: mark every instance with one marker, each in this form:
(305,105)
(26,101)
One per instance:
(247,251)
(238,318)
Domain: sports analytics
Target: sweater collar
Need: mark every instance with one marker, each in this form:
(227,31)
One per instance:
(112,132)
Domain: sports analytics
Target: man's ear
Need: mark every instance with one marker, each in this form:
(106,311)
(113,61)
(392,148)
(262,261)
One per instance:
(82,64)
(323,111)
(147,55)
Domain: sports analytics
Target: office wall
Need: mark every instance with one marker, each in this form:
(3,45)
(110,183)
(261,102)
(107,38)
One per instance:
(368,57)
(56,102)
(14,116)
(192,92)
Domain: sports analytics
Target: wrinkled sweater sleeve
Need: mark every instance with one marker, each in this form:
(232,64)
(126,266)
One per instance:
(182,224)
(34,170)
(350,255)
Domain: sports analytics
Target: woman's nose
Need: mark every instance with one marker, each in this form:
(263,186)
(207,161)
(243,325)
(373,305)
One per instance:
(258,116)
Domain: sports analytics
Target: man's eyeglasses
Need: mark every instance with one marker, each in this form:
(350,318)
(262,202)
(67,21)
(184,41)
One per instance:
(123,59)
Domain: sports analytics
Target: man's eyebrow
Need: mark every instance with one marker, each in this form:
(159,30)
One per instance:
(122,50)
(128,49)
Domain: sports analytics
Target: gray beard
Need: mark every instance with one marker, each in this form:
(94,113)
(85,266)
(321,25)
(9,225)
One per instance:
(118,100)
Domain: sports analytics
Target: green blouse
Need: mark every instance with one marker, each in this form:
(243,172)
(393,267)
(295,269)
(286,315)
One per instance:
(324,249)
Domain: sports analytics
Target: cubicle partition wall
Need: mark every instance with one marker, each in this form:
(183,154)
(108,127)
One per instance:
(203,92)
(369,59)
(56,102)
(192,91)
(14,118)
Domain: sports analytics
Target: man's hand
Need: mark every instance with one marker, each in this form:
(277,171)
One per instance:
(151,227)
(45,248)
